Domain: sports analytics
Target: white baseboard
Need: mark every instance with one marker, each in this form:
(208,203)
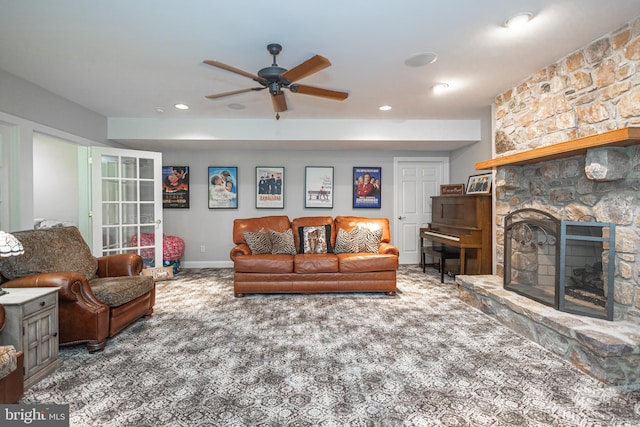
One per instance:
(207,264)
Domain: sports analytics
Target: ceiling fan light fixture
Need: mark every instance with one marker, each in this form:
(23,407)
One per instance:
(421,59)
(518,20)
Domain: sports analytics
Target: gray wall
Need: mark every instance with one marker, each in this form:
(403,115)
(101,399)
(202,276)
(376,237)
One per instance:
(55,173)
(20,98)
(463,160)
(212,228)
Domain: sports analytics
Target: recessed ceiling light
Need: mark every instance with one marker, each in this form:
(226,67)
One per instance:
(236,106)
(420,59)
(440,87)
(385,108)
(518,20)
(182,106)
(159,110)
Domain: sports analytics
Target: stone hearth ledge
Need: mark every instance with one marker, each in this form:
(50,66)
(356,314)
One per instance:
(607,350)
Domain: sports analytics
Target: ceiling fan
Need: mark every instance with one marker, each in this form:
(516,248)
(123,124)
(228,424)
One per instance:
(276,78)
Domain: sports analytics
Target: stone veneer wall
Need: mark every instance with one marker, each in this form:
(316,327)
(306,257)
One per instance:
(590,91)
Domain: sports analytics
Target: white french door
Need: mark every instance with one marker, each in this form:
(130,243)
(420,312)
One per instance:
(127,203)
(416,180)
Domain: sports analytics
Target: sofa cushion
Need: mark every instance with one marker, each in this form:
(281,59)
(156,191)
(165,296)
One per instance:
(259,242)
(359,263)
(369,240)
(115,291)
(348,241)
(315,263)
(278,223)
(50,250)
(272,263)
(313,221)
(350,222)
(8,360)
(282,243)
(313,239)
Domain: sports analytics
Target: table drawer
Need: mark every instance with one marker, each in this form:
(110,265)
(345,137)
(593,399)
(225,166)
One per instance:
(40,303)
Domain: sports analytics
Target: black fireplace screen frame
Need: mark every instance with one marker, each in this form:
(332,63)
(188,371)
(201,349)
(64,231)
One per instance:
(607,239)
(543,247)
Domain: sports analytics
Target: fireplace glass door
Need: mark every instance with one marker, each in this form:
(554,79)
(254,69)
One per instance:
(567,265)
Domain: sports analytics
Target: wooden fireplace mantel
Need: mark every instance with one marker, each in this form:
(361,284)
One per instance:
(619,138)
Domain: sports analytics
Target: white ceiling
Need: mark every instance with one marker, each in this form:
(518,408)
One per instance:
(124,58)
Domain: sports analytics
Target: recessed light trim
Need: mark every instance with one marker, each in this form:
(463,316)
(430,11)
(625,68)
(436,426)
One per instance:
(440,87)
(385,108)
(421,59)
(518,20)
(236,106)
(182,106)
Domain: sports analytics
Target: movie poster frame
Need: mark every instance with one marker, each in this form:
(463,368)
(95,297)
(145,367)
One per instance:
(175,195)
(374,200)
(266,197)
(217,170)
(318,177)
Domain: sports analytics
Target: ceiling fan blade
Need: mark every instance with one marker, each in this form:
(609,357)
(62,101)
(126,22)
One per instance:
(233,92)
(317,91)
(234,70)
(308,67)
(279,102)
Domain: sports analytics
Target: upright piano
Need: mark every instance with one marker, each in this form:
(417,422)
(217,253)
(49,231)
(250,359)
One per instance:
(463,222)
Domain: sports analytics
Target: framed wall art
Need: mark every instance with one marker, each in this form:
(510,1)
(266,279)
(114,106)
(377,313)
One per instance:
(175,186)
(269,187)
(367,187)
(223,187)
(318,187)
(479,184)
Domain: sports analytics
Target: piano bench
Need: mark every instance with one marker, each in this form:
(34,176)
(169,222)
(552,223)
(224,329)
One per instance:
(442,253)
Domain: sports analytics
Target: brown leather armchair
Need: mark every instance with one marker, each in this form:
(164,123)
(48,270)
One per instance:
(97,298)
(11,370)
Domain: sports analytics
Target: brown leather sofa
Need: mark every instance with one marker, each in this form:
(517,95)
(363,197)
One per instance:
(97,297)
(317,272)
(11,370)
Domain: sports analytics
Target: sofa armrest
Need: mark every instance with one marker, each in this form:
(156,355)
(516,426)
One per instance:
(72,286)
(120,265)
(241,249)
(388,248)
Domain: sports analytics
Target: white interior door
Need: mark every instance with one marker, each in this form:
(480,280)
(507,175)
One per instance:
(127,203)
(416,180)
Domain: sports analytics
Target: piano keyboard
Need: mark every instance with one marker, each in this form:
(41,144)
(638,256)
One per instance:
(444,236)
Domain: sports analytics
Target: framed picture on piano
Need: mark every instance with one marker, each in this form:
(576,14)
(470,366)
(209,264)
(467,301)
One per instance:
(479,184)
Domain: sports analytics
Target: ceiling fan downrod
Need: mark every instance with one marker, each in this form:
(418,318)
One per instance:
(274,49)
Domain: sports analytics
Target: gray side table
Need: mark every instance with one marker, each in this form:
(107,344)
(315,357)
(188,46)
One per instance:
(31,326)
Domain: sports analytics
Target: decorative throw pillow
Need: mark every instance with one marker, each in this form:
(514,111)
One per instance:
(259,242)
(313,240)
(369,240)
(347,242)
(282,243)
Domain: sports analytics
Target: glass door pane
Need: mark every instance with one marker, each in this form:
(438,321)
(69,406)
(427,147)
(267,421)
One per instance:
(128,213)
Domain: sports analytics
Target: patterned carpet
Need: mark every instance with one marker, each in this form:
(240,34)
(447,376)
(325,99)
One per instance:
(422,358)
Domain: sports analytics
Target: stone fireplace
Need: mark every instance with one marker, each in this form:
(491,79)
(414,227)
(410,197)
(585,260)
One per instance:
(563,127)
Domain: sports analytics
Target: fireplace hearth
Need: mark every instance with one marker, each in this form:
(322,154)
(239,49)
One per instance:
(567,265)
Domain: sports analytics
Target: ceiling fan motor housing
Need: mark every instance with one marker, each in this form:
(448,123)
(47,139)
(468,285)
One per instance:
(273,76)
